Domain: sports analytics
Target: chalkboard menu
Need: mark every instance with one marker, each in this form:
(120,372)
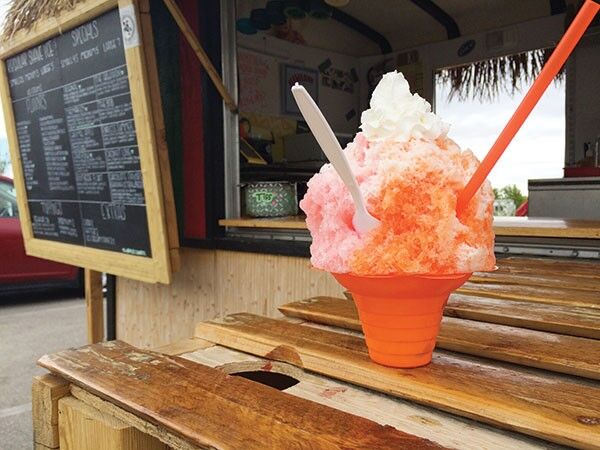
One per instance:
(77,139)
(81,101)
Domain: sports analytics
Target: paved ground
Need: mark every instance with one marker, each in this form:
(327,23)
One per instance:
(31,326)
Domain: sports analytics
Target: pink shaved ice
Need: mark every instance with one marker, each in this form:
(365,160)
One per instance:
(411,187)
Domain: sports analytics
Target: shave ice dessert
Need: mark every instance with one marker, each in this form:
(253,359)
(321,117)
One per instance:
(402,272)
(410,174)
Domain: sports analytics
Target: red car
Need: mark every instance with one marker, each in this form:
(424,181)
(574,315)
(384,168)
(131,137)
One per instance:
(18,271)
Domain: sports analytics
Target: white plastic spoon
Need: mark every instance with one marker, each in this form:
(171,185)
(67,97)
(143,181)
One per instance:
(363,221)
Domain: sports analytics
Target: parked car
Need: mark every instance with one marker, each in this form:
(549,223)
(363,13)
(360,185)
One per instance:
(19,272)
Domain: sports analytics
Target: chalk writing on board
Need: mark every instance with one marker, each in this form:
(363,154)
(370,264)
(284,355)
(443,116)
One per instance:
(77,139)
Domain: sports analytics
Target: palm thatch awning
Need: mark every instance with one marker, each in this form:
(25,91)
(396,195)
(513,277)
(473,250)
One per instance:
(22,14)
(485,80)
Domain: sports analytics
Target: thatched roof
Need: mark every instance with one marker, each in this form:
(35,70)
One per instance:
(22,14)
(484,80)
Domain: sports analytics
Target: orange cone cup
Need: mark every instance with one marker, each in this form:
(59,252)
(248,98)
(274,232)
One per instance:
(401,314)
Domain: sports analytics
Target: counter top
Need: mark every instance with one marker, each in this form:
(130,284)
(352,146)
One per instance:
(503,226)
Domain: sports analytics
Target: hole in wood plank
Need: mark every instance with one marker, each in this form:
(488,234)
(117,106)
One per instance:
(275,380)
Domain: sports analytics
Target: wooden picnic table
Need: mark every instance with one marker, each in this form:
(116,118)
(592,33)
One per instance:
(517,365)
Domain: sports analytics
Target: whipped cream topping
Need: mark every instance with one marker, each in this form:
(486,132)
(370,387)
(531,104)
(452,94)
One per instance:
(398,115)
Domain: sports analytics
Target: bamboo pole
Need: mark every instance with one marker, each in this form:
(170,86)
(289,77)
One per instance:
(187,31)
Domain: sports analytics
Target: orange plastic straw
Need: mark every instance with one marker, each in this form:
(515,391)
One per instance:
(551,68)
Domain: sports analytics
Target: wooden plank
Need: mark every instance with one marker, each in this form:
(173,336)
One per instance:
(564,354)
(538,227)
(504,276)
(503,226)
(551,266)
(83,427)
(94,303)
(554,296)
(549,406)
(211,409)
(160,134)
(572,321)
(289,223)
(37,446)
(46,390)
(184,346)
(173,441)
(438,426)
(149,160)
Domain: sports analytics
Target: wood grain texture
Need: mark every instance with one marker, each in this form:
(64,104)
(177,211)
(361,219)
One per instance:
(184,346)
(212,284)
(550,406)
(503,226)
(83,427)
(554,296)
(507,276)
(173,441)
(94,304)
(46,390)
(551,266)
(160,132)
(572,321)
(559,353)
(211,409)
(538,227)
(289,223)
(438,426)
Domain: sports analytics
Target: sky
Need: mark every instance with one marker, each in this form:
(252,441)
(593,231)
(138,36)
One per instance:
(537,150)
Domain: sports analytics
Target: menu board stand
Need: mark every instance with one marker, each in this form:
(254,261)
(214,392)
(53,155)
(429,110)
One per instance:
(90,160)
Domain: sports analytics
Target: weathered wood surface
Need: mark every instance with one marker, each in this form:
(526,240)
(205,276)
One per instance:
(574,321)
(562,281)
(564,354)
(183,346)
(550,266)
(173,441)
(546,227)
(444,428)
(83,427)
(551,406)
(46,390)
(534,294)
(211,409)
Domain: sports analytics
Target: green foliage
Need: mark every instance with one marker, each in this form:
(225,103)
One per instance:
(3,164)
(510,192)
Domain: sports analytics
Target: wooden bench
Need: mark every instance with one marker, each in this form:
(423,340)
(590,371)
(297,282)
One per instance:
(514,368)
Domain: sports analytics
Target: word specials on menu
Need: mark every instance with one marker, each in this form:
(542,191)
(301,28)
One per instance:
(77,140)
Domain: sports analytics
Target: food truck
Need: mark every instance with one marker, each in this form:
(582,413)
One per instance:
(181,183)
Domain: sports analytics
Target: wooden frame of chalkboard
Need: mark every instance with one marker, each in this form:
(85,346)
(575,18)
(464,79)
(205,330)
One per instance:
(73,221)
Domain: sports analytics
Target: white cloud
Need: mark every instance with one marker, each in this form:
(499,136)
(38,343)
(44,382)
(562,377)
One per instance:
(537,151)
